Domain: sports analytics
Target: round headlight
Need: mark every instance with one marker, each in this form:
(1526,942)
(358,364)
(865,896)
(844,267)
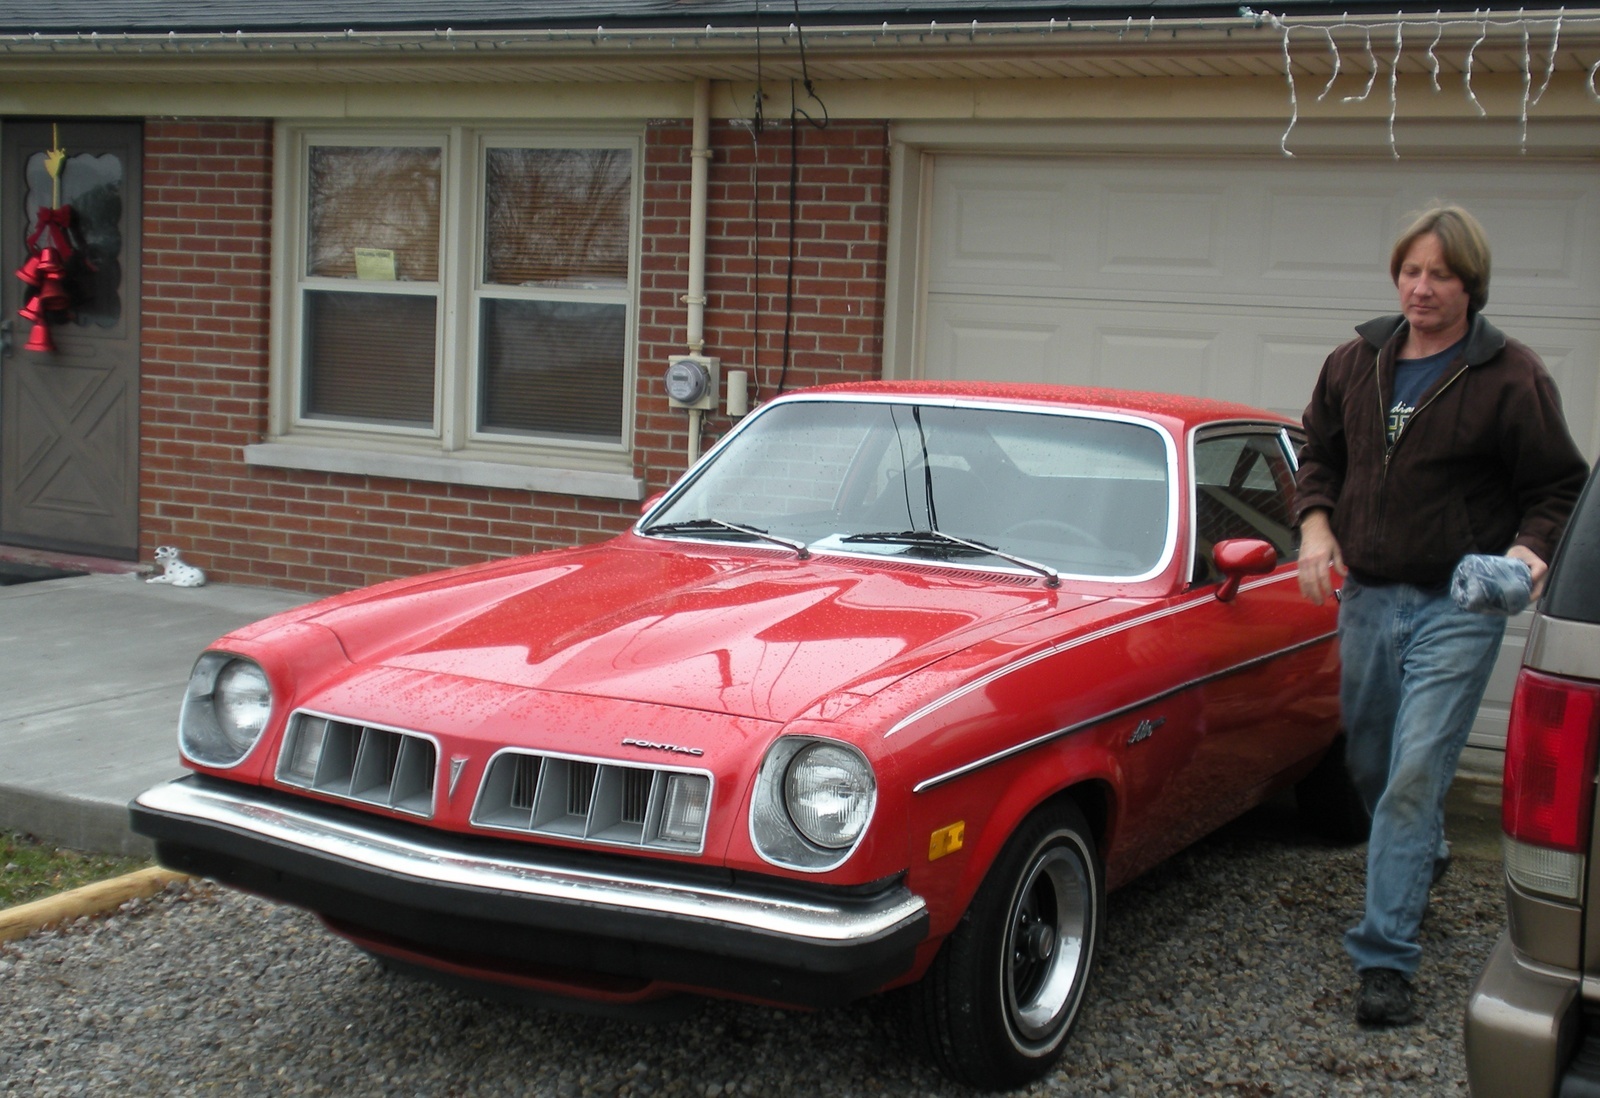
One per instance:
(225,709)
(828,790)
(243,699)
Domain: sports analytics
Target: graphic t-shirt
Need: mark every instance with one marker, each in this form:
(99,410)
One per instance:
(1412,377)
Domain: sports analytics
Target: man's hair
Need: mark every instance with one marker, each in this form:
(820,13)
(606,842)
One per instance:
(1466,249)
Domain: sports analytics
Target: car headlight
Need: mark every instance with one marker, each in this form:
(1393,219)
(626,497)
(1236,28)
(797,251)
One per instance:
(828,790)
(225,709)
(813,801)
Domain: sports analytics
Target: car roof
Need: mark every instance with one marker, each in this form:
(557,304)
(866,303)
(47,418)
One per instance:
(1187,411)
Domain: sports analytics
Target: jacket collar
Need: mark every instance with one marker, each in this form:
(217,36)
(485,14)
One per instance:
(1484,340)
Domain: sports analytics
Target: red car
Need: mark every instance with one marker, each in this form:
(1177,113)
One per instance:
(890,689)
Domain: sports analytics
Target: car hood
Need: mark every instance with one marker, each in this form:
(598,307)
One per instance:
(755,635)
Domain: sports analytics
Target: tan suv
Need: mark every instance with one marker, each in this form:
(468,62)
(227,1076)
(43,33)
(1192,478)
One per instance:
(1533,1022)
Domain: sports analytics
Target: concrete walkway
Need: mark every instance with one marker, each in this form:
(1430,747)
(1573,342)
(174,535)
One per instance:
(92,672)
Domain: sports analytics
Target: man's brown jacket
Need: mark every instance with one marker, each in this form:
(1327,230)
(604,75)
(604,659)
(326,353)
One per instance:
(1485,461)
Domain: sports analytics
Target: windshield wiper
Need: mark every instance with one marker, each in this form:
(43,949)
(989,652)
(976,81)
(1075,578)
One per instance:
(702,525)
(939,537)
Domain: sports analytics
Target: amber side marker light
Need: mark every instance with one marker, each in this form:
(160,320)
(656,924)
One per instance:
(946,840)
(1547,802)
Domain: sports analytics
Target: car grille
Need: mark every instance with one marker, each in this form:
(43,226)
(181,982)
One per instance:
(595,801)
(360,762)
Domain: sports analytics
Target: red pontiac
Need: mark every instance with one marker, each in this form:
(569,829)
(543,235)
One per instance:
(888,691)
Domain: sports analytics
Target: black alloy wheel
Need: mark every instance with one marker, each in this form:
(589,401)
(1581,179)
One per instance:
(1000,1000)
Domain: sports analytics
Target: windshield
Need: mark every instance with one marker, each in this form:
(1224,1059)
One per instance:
(1074,493)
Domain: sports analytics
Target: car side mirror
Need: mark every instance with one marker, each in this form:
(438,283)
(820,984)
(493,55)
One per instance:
(644,508)
(1240,557)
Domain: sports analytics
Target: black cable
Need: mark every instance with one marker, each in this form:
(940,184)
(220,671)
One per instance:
(805,79)
(796,112)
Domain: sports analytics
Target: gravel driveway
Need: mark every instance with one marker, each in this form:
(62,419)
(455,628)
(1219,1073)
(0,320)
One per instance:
(1221,974)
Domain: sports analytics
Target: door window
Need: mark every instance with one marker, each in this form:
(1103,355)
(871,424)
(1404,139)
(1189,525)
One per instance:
(1244,488)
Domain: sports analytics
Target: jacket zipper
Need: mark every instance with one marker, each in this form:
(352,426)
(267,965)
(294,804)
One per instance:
(1388,450)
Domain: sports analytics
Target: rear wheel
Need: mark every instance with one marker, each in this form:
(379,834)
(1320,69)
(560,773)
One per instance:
(998,1003)
(1328,802)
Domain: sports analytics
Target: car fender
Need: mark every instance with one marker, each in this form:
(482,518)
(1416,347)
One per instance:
(298,657)
(990,804)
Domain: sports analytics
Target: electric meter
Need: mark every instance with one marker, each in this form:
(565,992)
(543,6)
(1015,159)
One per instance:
(691,381)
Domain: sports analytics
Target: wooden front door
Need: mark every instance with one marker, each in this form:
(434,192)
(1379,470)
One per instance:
(69,415)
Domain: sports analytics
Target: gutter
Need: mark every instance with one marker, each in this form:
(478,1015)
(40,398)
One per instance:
(714,39)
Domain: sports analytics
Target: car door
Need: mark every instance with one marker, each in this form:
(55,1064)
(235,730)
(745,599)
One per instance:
(1270,658)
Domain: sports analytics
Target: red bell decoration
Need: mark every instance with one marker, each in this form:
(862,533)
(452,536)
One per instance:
(29,271)
(53,298)
(39,339)
(52,295)
(50,249)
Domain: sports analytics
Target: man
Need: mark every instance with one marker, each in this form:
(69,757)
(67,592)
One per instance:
(1431,435)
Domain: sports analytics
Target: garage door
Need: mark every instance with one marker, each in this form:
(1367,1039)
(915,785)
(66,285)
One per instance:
(1234,279)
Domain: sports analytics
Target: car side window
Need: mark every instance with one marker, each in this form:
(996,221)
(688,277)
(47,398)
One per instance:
(1243,488)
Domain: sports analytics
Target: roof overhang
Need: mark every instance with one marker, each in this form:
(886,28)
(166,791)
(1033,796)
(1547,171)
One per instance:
(1252,44)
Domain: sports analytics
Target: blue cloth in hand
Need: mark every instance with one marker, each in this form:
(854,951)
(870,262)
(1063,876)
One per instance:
(1486,584)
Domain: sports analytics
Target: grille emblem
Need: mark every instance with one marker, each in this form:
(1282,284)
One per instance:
(457,764)
(651,745)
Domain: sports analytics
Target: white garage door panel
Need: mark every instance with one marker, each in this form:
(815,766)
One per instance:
(1221,351)
(1268,233)
(1571,353)
(1234,279)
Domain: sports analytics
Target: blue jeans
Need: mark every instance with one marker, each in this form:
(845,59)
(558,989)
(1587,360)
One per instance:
(1414,670)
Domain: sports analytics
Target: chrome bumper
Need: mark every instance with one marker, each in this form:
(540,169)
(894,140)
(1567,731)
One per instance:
(333,862)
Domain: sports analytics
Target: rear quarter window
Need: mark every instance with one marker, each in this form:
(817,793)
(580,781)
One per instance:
(1574,590)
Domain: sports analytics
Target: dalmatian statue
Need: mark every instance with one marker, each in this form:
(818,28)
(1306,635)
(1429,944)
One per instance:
(176,571)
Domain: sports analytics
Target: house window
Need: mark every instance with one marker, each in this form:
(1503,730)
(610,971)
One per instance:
(553,303)
(370,287)
(460,296)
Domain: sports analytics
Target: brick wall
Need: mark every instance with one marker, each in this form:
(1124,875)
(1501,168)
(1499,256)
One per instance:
(207,214)
(836,333)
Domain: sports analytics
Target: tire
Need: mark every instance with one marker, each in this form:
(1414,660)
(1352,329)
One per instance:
(1328,803)
(996,1007)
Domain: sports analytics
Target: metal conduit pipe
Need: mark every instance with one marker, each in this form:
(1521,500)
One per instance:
(699,191)
(699,188)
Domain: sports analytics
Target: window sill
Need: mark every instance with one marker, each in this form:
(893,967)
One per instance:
(446,470)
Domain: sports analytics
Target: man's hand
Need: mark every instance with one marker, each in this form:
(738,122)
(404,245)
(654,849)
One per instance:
(1320,557)
(1527,556)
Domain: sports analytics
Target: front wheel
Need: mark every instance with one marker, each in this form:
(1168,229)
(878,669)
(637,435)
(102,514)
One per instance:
(995,1008)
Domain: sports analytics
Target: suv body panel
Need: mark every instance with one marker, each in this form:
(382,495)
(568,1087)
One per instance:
(1533,1019)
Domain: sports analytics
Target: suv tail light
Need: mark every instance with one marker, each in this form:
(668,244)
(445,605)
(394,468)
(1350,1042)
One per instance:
(1547,803)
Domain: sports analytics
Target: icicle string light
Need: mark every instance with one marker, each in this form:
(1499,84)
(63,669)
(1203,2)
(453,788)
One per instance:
(1466,77)
(1480,20)
(1433,58)
(1394,90)
(1527,90)
(1372,77)
(1294,100)
(1333,48)
(1550,61)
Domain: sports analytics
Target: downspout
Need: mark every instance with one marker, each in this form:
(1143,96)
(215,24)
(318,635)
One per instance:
(699,188)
